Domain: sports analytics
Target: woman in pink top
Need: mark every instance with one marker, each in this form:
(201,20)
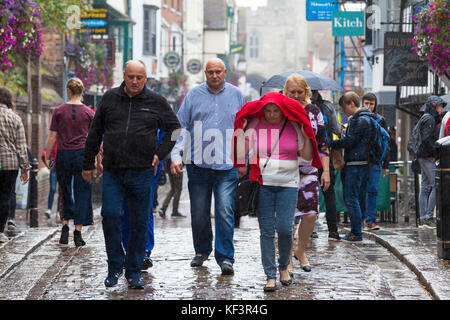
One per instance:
(278,190)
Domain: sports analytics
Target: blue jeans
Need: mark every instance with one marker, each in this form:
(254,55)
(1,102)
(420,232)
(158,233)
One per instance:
(276,208)
(427,194)
(354,177)
(69,167)
(136,186)
(201,184)
(51,192)
(125,223)
(369,199)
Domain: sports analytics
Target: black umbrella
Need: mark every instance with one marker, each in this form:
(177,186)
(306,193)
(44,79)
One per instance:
(315,81)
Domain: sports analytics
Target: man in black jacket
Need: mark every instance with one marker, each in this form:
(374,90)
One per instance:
(128,118)
(426,154)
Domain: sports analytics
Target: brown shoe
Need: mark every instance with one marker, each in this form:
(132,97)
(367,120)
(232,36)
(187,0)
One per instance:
(373,226)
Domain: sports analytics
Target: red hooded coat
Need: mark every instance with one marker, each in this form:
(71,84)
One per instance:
(291,109)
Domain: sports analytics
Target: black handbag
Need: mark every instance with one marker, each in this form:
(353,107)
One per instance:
(246,198)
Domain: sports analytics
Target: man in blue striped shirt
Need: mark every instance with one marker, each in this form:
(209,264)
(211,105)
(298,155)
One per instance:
(207,120)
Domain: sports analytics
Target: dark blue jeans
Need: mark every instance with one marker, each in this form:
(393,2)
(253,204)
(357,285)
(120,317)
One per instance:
(70,163)
(353,191)
(369,199)
(202,183)
(136,186)
(51,192)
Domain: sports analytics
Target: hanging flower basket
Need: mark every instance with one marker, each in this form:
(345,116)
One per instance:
(431,39)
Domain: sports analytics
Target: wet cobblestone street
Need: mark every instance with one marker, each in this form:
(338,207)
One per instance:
(34,266)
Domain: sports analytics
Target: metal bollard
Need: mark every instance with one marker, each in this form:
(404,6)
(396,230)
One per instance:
(33,194)
(442,199)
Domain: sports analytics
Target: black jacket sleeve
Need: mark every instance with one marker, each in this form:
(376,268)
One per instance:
(94,138)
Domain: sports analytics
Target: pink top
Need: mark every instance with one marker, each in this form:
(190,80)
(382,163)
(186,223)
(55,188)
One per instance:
(282,168)
(72,123)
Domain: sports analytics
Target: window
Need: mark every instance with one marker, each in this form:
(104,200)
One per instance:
(254,46)
(149,30)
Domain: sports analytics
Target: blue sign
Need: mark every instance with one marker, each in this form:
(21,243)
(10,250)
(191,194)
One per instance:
(321,10)
(94,23)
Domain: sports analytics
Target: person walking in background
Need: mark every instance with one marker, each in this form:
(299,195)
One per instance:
(393,148)
(128,118)
(70,125)
(369,201)
(275,144)
(356,156)
(13,155)
(426,155)
(176,186)
(210,107)
(307,209)
(332,126)
(52,181)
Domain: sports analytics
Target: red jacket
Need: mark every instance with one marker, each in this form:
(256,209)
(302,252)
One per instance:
(291,109)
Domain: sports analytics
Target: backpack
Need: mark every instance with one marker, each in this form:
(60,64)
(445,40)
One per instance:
(415,139)
(379,141)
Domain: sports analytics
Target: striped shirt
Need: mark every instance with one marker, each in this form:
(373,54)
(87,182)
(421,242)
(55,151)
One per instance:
(13,146)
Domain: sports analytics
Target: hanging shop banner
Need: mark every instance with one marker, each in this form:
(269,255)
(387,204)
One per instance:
(402,67)
(348,23)
(95,20)
(321,10)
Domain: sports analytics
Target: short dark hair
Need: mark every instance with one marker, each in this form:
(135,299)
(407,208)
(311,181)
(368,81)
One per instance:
(348,97)
(370,97)
(6,98)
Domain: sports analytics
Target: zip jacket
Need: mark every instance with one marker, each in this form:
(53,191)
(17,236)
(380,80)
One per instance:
(130,127)
(356,138)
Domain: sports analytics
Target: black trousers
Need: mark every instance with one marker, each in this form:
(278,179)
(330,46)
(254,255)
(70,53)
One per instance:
(7,184)
(330,201)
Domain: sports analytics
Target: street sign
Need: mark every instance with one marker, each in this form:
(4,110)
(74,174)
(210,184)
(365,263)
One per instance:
(172,60)
(194,66)
(95,20)
(348,23)
(321,10)
(402,67)
(237,48)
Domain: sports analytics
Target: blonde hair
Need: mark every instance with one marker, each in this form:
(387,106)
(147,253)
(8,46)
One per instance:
(300,81)
(76,86)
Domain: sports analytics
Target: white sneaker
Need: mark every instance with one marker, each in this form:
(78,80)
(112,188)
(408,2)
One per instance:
(3,238)
(48,213)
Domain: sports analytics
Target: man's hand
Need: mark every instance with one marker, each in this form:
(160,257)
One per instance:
(155,164)
(176,167)
(242,171)
(87,175)
(25,176)
(325,180)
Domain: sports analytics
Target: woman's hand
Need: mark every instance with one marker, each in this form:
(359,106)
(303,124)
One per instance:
(242,171)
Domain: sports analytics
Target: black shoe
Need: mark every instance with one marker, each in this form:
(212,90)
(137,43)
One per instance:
(177,215)
(79,242)
(227,268)
(286,282)
(135,283)
(334,236)
(64,235)
(148,263)
(198,260)
(270,288)
(112,279)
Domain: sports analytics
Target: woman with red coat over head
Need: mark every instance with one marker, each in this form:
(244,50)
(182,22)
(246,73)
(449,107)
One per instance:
(274,160)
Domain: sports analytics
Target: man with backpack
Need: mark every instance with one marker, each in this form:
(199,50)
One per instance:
(369,201)
(332,126)
(422,146)
(356,144)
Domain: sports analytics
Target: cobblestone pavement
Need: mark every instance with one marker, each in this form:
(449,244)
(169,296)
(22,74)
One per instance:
(397,262)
